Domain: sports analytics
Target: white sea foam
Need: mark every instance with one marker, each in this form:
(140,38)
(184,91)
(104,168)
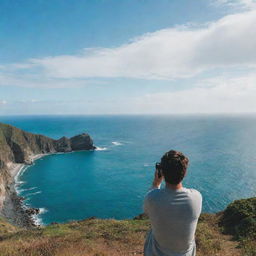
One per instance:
(100,149)
(32,194)
(20,182)
(16,187)
(37,220)
(37,217)
(19,174)
(17,181)
(117,143)
(42,210)
(27,189)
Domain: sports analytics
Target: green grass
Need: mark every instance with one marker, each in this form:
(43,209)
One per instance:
(89,237)
(98,237)
(6,228)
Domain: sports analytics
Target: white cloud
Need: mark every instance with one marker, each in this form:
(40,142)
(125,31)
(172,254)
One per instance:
(215,95)
(245,4)
(234,95)
(3,102)
(166,54)
(40,80)
(227,44)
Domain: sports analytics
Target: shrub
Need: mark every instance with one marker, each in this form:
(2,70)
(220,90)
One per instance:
(246,228)
(239,218)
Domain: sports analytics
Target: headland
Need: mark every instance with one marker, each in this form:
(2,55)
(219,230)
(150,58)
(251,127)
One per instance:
(19,149)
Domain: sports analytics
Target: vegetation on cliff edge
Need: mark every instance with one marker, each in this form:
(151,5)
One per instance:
(98,237)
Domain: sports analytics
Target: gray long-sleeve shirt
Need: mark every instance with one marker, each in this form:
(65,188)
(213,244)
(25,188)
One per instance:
(173,215)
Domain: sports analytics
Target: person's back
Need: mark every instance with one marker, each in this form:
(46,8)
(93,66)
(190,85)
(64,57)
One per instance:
(173,213)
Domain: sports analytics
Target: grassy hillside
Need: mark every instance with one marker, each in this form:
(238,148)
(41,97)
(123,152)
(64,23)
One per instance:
(97,237)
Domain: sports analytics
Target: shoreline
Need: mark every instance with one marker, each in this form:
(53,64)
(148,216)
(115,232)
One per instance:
(20,149)
(14,208)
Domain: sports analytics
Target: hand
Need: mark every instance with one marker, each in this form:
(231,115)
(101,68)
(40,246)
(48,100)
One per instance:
(157,181)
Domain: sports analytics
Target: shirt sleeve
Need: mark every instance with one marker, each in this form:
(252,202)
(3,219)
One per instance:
(146,203)
(198,201)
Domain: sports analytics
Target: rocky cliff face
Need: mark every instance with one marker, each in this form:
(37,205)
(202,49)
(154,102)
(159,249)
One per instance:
(19,147)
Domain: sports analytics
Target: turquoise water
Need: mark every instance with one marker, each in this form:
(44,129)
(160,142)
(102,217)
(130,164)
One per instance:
(111,183)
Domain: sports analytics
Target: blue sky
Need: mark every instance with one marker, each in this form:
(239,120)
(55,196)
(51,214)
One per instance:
(127,56)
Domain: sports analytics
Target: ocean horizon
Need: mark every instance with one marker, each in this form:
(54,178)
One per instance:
(112,181)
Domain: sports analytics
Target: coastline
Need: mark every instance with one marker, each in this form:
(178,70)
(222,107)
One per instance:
(14,209)
(20,149)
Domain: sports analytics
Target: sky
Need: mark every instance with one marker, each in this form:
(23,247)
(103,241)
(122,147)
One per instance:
(91,57)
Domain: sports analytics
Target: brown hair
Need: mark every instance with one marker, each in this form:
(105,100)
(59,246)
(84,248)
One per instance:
(174,165)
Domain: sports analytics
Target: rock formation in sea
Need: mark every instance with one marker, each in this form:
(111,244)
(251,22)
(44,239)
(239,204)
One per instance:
(18,147)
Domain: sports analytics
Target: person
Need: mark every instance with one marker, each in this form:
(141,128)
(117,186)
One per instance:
(173,211)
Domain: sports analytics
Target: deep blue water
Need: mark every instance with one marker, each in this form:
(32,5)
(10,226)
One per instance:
(112,183)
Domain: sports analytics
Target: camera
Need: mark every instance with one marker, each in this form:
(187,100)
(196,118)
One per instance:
(158,168)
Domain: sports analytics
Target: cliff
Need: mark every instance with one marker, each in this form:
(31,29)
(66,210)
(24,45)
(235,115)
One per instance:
(17,148)
(98,237)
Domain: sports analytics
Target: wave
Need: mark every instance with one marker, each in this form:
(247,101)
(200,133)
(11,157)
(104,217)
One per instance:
(17,185)
(19,174)
(36,217)
(19,191)
(20,182)
(100,149)
(32,194)
(27,189)
(17,181)
(117,143)
(42,210)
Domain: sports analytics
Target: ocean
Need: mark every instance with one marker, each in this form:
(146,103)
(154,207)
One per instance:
(111,182)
